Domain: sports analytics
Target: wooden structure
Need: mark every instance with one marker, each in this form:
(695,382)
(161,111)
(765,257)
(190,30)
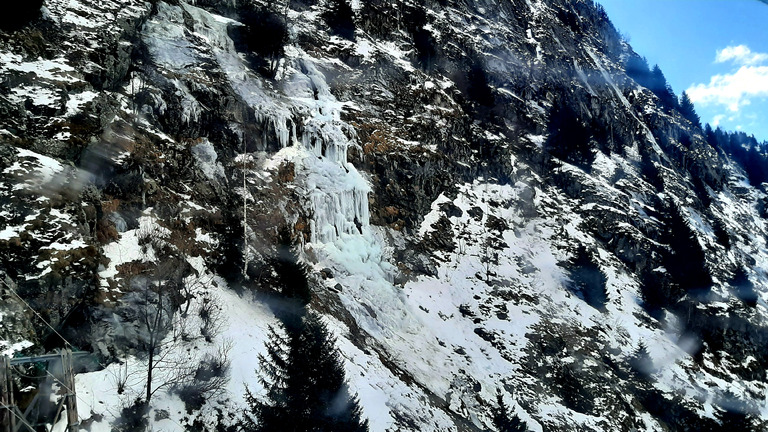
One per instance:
(11,417)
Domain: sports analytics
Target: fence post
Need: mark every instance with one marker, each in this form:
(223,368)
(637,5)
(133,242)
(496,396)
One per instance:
(6,396)
(73,421)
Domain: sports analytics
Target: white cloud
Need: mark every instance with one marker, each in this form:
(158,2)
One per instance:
(740,54)
(732,90)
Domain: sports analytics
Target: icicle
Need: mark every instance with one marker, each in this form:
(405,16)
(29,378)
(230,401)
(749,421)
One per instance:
(338,212)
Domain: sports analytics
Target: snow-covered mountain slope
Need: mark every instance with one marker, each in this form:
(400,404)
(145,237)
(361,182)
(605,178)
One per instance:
(456,246)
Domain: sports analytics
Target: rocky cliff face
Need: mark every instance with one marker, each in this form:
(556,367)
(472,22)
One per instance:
(470,240)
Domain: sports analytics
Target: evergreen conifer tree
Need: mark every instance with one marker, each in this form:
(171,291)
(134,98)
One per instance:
(734,416)
(641,362)
(637,69)
(574,395)
(322,386)
(292,282)
(306,390)
(264,34)
(587,280)
(685,261)
(709,134)
(16,17)
(659,86)
(688,111)
(415,19)
(270,412)
(744,288)
(502,419)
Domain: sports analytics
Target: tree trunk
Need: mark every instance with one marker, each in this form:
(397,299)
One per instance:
(149,371)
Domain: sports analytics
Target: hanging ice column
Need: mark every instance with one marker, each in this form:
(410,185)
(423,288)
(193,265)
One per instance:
(338,193)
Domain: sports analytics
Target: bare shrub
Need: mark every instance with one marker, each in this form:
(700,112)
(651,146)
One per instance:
(209,378)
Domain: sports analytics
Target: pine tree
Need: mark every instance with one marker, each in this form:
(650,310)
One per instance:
(685,261)
(734,415)
(292,282)
(269,413)
(502,420)
(709,134)
(265,34)
(473,81)
(637,69)
(659,86)
(322,386)
(649,170)
(732,420)
(415,19)
(744,288)
(340,18)
(574,395)
(688,111)
(305,385)
(641,362)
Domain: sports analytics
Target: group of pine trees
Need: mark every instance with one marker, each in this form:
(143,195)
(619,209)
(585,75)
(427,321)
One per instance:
(264,33)
(751,155)
(570,138)
(304,380)
(503,419)
(265,30)
(654,80)
(340,18)
(587,279)
(744,149)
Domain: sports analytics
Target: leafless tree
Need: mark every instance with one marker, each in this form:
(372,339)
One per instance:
(163,296)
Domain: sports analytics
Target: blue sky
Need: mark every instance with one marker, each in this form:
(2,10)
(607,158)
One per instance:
(717,50)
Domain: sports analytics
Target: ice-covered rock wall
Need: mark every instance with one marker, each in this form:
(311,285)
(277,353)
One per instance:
(337,192)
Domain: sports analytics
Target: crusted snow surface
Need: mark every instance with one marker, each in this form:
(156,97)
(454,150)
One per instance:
(132,246)
(9,349)
(87,15)
(58,83)
(435,347)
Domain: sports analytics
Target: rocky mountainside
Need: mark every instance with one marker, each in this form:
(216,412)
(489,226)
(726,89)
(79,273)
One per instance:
(486,203)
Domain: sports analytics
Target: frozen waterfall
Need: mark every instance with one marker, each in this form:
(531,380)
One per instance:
(338,194)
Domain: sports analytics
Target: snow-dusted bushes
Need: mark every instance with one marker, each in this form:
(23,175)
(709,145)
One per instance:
(209,379)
